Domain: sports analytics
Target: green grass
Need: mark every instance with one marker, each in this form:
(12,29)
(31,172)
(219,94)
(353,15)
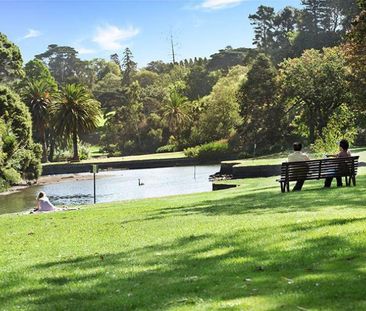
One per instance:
(152,156)
(246,248)
(278,158)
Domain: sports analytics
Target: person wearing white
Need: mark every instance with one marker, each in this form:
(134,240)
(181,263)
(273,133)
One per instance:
(43,203)
(298,156)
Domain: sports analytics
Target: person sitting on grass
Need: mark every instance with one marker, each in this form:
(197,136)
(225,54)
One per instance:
(343,153)
(43,203)
(298,156)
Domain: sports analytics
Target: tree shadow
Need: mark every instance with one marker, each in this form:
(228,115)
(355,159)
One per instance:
(209,270)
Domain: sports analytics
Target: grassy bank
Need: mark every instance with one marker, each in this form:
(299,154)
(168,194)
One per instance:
(247,248)
(152,156)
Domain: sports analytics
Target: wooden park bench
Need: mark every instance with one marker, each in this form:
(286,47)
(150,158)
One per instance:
(319,169)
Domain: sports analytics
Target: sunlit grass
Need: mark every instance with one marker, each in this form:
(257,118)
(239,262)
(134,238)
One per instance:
(246,248)
(152,156)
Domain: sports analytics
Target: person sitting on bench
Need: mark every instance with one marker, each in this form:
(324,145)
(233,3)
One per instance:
(343,153)
(298,156)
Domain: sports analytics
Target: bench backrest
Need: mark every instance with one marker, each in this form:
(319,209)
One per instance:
(322,168)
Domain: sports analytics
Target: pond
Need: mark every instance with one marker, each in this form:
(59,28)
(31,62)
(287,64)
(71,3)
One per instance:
(115,186)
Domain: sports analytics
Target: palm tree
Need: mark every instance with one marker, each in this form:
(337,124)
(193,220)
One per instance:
(75,112)
(37,95)
(175,112)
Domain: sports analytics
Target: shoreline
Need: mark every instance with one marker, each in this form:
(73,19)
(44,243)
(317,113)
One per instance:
(48,179)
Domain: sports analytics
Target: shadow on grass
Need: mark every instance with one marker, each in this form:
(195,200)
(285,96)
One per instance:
(322,272)
(268,199)
(293,270)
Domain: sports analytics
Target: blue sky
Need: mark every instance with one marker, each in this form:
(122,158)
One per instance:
(101,28)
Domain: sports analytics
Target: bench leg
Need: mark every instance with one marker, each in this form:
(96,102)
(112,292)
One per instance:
(282,187)
(354,180)
(288,186)
(348,180)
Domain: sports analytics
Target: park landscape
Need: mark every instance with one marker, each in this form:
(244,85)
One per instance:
(249,247)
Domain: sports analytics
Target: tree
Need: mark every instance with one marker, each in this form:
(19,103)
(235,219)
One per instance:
(314,85)
(220,115)
(75,112)
(62,62)
(10,60)
(263,20)
(37,95)
(174,112)
(123,129)
(19,156)
(199,82)
(314,15)
(35,70)
(159,67)
(356,56)
(128,67)
(260,111)
(229,57)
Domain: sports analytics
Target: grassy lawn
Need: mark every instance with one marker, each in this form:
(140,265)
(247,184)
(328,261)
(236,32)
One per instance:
(152,156)
(247,248)
(278,158)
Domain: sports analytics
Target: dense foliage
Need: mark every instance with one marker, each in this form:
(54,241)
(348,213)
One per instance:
(305,80)
(19,156)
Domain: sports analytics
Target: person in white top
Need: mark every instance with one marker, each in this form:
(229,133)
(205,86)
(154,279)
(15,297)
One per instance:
(298,156)
(43,203)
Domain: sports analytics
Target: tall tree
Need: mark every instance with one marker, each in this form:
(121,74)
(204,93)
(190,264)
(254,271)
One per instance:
(62,62)
(75,112)
(175,112)
(35,70)
(20,155)
(315,15)
(259,108)
(128,67)
(220,115)
(200,81)
(37,95)
(356,56)
(228,57)
(315,85)
(263,20)
(10,60)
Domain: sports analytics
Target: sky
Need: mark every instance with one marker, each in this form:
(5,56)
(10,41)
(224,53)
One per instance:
(101,28)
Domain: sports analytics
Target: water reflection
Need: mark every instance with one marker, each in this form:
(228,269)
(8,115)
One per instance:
(115,186)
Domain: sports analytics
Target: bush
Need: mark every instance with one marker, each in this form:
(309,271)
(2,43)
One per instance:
(166,148)
(65,154)
(192,152)
(341,125)
(216,150)
(84,151)
(26,162)
(11,176)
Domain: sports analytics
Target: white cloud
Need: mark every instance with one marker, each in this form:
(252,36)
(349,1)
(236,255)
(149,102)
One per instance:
(32,33)
(219,4)
(83,50)
(110,37)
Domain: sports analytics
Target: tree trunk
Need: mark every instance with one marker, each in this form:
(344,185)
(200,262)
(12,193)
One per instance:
(44,146)
(52,148)
(75,146)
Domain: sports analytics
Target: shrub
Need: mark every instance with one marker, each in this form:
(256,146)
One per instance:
(192,152)
(11,176)
(216,150)
(84,151)
(26,163)
(341,125)
(166,148)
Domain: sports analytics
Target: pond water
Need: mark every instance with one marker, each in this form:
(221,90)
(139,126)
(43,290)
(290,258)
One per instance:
(115,186)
